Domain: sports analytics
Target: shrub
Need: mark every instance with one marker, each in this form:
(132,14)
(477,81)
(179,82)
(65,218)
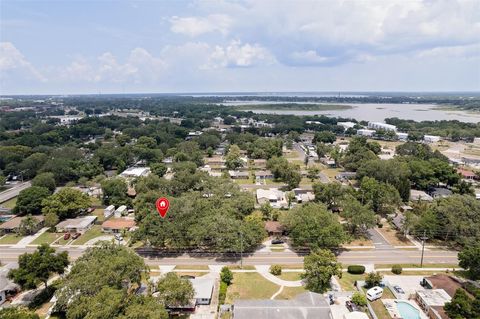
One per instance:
(226,275)
(356,269)
(359,299)
(397,269)
(276,270)
(373,279)
(222,293)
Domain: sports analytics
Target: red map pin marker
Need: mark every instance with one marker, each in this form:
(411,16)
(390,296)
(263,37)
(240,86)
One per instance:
(162,206)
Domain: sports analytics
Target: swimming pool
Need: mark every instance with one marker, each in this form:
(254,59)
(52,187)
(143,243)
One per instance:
(407,311)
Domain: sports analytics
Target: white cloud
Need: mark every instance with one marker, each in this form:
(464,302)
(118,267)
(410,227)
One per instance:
(237,55)
(12,59)
(195,26)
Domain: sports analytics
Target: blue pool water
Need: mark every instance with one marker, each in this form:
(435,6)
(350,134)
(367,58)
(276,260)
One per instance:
(407,311)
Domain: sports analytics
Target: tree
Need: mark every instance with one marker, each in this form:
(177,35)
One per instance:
(359,217)
(462,306)
(323,149)
(3,179)
(226,275)
(324,137)
(17,313)
(330,194)
(292,176)
(175,291)
(142,307)
(373,279)
(359,299)
(312,173)
(320,265)
(67,203)
(30,200)
(469,259)
(311,225)
(158,169)
(27,226)
(233,160)
(51,219)
(104,265)
(38,266)
(115,192)
(46,180)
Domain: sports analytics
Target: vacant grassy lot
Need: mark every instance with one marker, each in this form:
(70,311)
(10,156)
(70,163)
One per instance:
(250,286)
(94,232)
(290,293)
(191,273)
(10,239)
(348,280)
(46,238)
(10,203)
(99,213)
(292,276)
(393,237)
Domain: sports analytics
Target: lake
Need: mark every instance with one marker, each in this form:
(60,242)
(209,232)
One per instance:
(375,112)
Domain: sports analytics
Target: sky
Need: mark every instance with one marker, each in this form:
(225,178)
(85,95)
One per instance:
(90,47)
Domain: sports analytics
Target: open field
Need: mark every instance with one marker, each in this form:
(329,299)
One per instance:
(250,286)
(393,237)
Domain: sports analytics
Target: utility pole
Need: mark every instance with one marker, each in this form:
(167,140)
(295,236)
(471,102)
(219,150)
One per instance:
(423,247)
(241,250)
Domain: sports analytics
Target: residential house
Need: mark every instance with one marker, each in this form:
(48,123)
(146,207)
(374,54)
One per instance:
(76,225)
(346,125)
(432,302)
(402,136)
(203,287)
(466,174)
(303,195)
(365,132)
(259,163)
(7,286)
(345,176)
(439,192)
(431,138)
(135,172)
(264,174)
(416,195)
(120,211)
(304,306)
(13,225)
(382,126)
(239,174)
(107,212)
(274,228)
(273,196)
(117,225)
(214,161)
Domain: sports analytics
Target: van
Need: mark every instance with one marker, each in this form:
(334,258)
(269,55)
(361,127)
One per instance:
(374,293)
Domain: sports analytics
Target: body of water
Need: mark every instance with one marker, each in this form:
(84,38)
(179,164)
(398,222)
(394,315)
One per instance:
(377,112)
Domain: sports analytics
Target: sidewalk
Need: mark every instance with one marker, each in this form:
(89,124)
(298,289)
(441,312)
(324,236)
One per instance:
(28,239)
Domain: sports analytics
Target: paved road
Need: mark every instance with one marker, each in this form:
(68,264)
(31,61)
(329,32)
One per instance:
(392,256)
(14,191)
(379,241)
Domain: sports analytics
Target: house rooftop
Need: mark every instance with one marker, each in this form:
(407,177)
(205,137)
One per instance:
(79,222)
(434,297)
(306,305)
(15,222)
(203,287)
(444,282)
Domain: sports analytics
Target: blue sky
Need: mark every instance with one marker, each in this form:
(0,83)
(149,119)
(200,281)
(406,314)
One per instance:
(61,47)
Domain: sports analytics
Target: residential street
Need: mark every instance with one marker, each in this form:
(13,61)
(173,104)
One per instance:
(14,191)
(376,256)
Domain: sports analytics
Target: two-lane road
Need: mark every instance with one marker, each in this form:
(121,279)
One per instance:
(13,192)
(393,256)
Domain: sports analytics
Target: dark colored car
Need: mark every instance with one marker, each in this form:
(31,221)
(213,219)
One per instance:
(277,241)
(75,236)
(66,236)
(351,306)
(398,289)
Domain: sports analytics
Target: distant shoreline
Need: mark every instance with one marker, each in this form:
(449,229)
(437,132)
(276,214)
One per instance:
(293,107)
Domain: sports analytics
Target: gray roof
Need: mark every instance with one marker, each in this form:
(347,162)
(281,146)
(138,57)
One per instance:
(308,305)
(203,287)
(5,283)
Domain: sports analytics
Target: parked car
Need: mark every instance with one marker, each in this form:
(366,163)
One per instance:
(90,210)
(66,236)
(76,235)
(351,306)
(398,289)
(277,241)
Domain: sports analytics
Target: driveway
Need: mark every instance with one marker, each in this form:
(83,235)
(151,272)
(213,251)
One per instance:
(379,241)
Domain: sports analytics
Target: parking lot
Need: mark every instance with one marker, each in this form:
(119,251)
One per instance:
(409,284)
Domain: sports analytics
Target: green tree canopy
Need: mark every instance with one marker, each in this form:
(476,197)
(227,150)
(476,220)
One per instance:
(46,180)
(66,203)
(175,291)
(30,200)
(469,259)
(320,265)
(115,192)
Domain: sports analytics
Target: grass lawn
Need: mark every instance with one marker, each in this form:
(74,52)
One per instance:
(292,276)
(194,267)
(439,265)
(290,293)
(99,213)
(10,239)
(250,286)
(291,154)
(393,237)
(62,241)
(46,238)
(331,172)
(292,266)
(360,242)
(245,267)
(277,249)
(191,273)
(414,273)
(95,201)
(95,231)
(10,203)
(379,307)
(348,280)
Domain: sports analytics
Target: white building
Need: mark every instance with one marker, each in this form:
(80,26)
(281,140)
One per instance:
(402,136)
(382,126)
(346,125)
(431,138)
(273,196)
(121,211)
(135,172)
(365,132)
(107,212)
(203,287)
(76,225)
